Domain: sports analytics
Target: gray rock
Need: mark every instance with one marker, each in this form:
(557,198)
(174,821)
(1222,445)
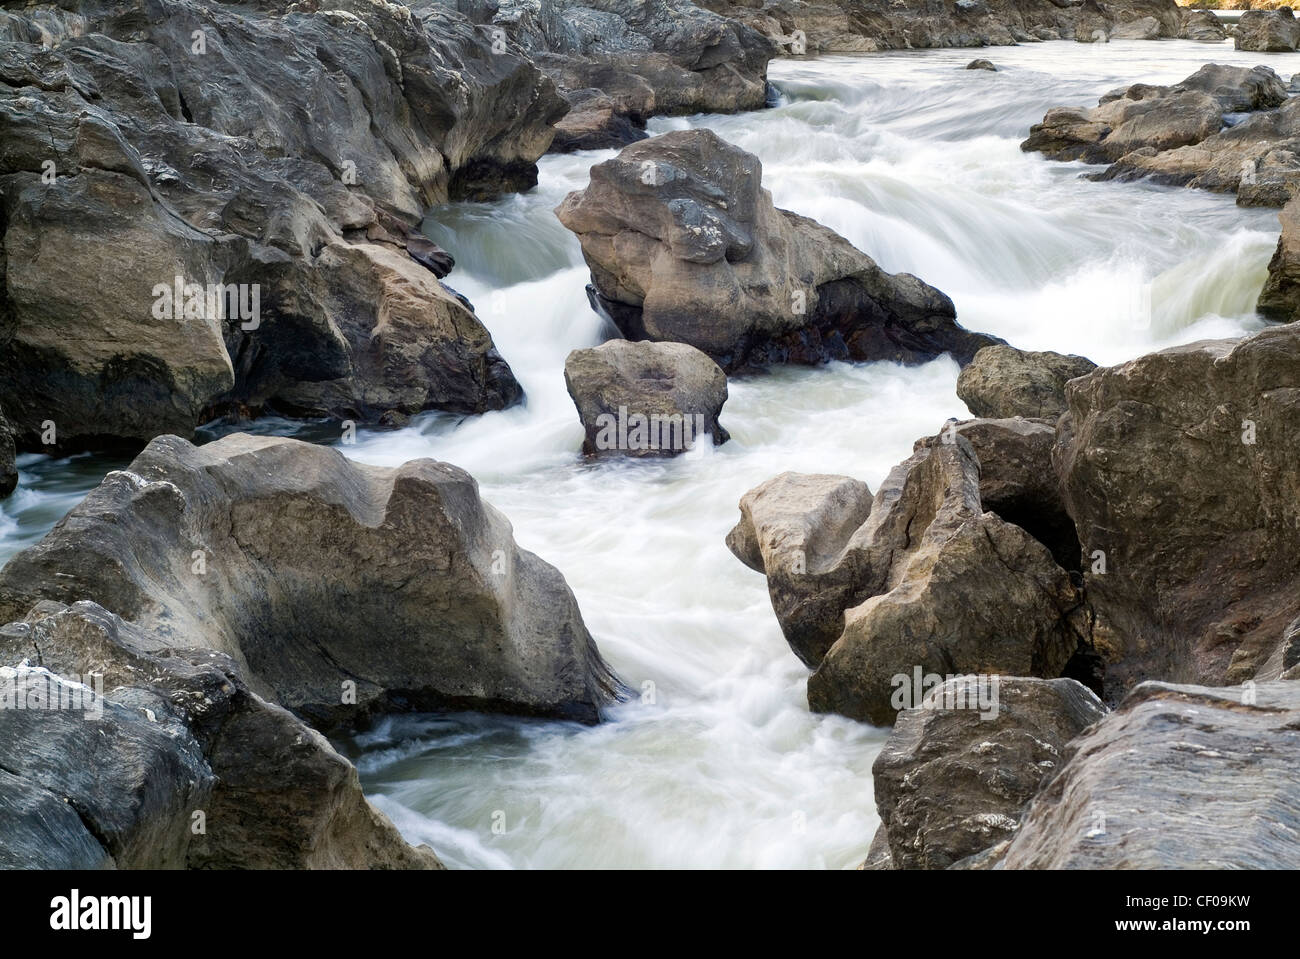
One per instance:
(1268,31)
(982,65)
(339,590)
(595,122)
(1002,381)
(1178,777)
(646,399)
(685,245)
(954,777)
(8,470)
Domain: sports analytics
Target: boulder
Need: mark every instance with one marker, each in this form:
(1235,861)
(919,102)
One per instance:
(956,771)
(133,753)
(957,590)
(982,65)
(1177,777)
(258,175)
(594,122)
(684,245)
(1181,470)
(1203,26)
(1002,381)
(339,590)
(1268,31)
(795,528)
(646,399)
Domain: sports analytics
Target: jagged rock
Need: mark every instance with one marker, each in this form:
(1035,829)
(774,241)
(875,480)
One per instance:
(282,145)
(338,589)
(646,399)
(159,756)
(8,469)
(685,245)
(955,773)
(1002,381)
(1159,118)
(1177,777)
(795,528)
(595,122)
(1181,471)
(1280,298)
(1268,31)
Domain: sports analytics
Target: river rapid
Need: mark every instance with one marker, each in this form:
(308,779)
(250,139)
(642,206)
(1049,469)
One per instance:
(719,762)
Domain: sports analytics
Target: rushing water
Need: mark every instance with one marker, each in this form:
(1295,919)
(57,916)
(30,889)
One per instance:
(917,162)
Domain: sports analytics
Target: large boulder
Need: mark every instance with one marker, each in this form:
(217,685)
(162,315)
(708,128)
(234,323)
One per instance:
(1181,470)
(1177,777)
(956,771)
(646,399)
(1002,381)
(685,245)
(340,590)
(1268,31)
(127,751)
(267,164)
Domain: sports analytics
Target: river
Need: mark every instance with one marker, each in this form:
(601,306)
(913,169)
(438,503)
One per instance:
(720,763)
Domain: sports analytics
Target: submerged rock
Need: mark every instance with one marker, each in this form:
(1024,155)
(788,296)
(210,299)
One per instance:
(1002,381)
(136,753)
(646,399)
(1181,470)
(1178,777)
(685,245)
(956,772)
(339,590)
(982,65)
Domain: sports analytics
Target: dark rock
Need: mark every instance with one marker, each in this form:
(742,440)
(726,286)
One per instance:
(8,470)
(595,122)
(982,65)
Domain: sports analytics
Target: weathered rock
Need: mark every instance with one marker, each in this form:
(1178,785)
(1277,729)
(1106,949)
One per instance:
(1002,381)
(338,589)
(1280,298)
(595,122)
(956,773)
(8,470)
(152,755)
(685,245)
(1203,26)
(982,65)
(960,591)
(1178,777)
(1158,118)
(1268,31)
(795,528)
(1181,470)
(289,147)
(646,399)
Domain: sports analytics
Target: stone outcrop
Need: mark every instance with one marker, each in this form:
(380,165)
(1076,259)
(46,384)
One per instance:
(646,399)
(1177,777)
(130,752)
(273,160)
(684,245)
(956,772)
(338,590)
(1181,470)
(1002,381)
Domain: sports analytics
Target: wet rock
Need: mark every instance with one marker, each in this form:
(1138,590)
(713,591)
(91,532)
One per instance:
(1181,471)
(982,65)
(795,528)
(1002,381)
(1268,31)
(153,755)
(8,470)
(957,771)
(1177,777)
(646,399)
(685,245)
(339,590)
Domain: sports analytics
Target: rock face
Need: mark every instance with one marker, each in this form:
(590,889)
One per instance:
(8,471)
(858,26)
(672,56)
(646,399)
(1268,31)
(921,579)
(1002,381)
(1181,470)
(684,245)
(1178,777)
(339,590)
(273,167)
(134,753)
(1181,136)
(956,773)
(1280,298)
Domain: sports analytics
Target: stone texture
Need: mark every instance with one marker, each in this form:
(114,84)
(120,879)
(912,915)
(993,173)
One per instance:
(1002,381)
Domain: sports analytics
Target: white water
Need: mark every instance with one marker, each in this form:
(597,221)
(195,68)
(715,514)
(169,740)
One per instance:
(917,162)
